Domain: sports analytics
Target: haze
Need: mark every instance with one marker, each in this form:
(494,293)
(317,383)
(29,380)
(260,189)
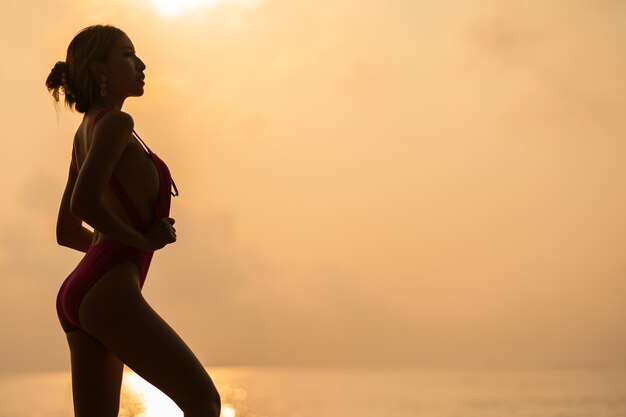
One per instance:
(362,183)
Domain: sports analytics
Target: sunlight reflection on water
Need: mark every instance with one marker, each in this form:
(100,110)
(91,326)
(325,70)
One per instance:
(280,392)
(141,399)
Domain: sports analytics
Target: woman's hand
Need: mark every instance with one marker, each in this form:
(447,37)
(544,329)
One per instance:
(160,233)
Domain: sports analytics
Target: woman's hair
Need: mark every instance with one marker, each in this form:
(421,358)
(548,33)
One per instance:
(93,43)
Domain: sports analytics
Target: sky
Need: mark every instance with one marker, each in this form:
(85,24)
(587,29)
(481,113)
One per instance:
(362,183)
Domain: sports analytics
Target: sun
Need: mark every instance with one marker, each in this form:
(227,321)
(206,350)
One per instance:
(174,8)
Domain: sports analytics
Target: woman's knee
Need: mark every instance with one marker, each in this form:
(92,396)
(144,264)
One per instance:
(207,402)
(214,403)
(217,402)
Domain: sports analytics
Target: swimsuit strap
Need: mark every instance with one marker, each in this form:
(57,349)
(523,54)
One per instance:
(141,140)
(118,190)
(175,192)
(98,116)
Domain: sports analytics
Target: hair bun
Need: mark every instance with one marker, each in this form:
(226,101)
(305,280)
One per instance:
(55,79)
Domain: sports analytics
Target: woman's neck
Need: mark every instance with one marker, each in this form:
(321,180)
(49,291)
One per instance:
(108,102)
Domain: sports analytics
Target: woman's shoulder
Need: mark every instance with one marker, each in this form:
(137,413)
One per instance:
(112,123)
(112,118)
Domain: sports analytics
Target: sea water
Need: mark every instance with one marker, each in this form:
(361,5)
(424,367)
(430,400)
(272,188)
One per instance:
(288,392)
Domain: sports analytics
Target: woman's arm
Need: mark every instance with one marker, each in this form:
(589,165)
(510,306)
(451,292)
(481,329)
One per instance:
(110,138)
(70,230)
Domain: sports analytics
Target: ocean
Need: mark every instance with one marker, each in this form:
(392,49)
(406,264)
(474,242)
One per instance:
(288,392)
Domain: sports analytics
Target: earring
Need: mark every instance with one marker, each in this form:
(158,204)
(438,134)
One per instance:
(103,85)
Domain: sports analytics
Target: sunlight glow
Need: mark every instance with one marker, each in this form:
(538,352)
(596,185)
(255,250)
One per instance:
(228,411)
(155,403)
(174,8)
(142,399)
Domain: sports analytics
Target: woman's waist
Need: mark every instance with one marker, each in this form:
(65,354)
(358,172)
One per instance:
(100,239)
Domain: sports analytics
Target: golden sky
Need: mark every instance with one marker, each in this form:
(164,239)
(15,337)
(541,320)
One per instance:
(361,182)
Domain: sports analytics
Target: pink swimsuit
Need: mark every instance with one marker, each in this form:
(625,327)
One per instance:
(102,257)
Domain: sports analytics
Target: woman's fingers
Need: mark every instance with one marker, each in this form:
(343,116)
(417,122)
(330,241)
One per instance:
(165,232)
(168,221)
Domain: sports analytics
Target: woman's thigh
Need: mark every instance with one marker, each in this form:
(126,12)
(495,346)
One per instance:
(96,376)
(115,312)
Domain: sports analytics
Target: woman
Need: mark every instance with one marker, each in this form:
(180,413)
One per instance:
(123,192)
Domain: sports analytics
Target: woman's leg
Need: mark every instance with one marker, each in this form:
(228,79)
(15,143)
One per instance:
(96,377)
(115,313)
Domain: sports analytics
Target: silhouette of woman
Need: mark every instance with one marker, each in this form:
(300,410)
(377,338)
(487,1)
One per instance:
(123,191)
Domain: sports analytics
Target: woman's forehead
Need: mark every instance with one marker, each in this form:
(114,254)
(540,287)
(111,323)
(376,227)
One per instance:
(124,42)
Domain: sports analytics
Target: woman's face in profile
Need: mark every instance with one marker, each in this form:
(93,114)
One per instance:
(125,70)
